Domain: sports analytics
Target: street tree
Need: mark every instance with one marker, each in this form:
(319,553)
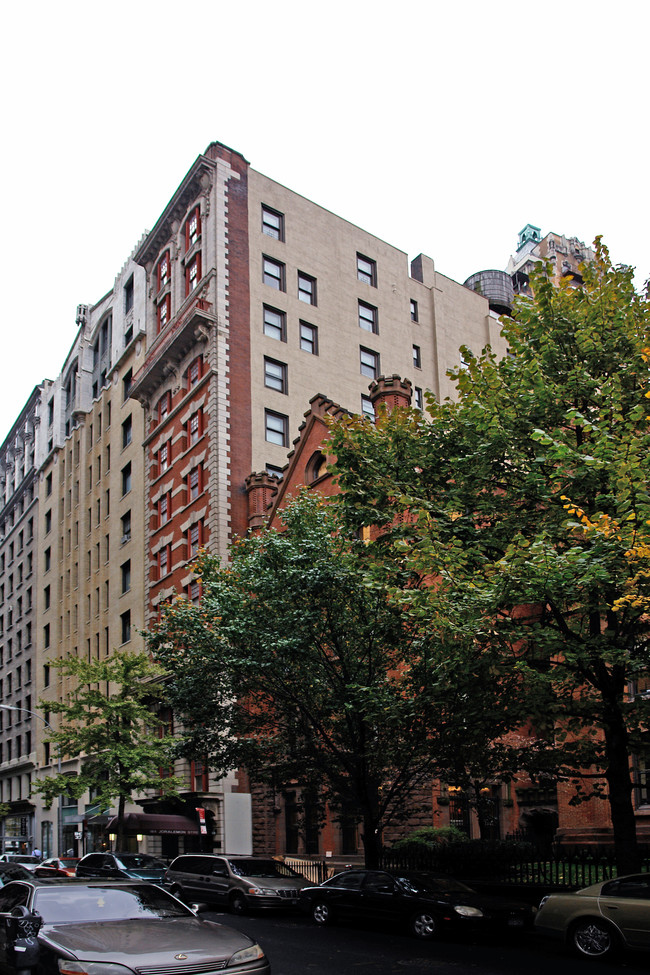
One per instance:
(109,720)
(297,667)
(525,502)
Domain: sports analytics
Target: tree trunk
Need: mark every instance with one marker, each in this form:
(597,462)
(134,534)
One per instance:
(371,842)
(620,786)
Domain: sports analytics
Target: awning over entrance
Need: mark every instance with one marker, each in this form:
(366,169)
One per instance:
(155,824)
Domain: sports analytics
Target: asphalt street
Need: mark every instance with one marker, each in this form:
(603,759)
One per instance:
(295,946)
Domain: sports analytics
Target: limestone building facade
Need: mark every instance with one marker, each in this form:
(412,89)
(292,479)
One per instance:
(194,369)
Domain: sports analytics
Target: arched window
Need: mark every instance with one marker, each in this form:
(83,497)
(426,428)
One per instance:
(316,467)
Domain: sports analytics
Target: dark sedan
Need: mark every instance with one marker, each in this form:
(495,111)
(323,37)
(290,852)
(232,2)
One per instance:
(121,866)
(120,929)
(428,903)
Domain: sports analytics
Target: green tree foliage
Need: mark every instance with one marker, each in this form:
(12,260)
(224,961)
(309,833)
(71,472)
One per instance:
(526,504)
(299,669)
(110,721)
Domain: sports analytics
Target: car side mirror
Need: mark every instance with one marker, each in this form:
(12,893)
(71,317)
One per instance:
(199,908)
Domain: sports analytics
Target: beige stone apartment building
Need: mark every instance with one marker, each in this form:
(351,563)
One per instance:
(564,254)
(242,303)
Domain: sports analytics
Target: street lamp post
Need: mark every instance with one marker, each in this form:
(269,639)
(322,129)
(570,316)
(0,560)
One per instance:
(35,714)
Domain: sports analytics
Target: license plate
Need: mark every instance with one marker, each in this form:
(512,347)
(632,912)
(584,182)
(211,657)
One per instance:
(515,922)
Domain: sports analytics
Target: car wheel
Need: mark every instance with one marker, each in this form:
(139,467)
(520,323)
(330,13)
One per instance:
(321,913)
(424,925)
(593,938)
(238,904)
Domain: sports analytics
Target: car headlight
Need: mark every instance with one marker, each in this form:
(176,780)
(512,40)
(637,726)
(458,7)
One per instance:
(254,953)
(465,911)
(68,967)
(263,891)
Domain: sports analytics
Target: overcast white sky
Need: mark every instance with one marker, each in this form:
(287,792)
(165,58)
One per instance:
(441,127)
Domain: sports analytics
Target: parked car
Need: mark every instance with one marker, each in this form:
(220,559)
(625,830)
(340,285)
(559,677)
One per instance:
(27,859)
(243,883)
(121,866)
(13,871)
(93,926)
(65,865)
(601,919)
(427,903)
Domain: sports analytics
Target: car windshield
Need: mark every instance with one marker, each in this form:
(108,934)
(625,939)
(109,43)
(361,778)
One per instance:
(67,861)
(72,904)
(261,868)
(422,883)
(13,871)
(139,861)
(25,858)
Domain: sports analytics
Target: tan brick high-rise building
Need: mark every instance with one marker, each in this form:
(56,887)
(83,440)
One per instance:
(243,302)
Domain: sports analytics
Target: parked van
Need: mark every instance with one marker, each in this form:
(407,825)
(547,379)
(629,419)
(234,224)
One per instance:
(240,882)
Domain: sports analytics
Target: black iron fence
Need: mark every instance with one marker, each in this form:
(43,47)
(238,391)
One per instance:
(514,863)
(504,862)
(315,871)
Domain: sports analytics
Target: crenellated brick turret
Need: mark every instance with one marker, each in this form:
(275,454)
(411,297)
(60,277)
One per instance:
(260,489)
(390,392)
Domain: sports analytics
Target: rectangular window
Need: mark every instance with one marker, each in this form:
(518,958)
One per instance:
(273,274)
(126,479)
(48,485)
(417,359)
(272,223)
(194,428)
(164,457)
(192,228)
(194,484)
(306,288)
(277,428)
(127,382)
(369,362)
(125,620)
(126,527)
(163,509)
(414,311)
(275,324)
(163,406)
(418,398)
(162,271)
(164,311)
(368,319)
(48,522)
(128,296)
(275,375)
(125,570)
(309,338)
(163,561)
(194,541)
(194,593)
(367,270)
(127,432)
(193,274)
(367,409)
(194,371)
